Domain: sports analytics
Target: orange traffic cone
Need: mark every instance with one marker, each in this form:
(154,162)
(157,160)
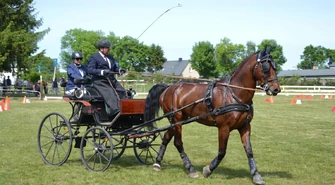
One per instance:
(271,99)
(293,101)
(6,106)
(333,108)
(1,105)
(331,97)
(24,101)
(267,100)
(322,97)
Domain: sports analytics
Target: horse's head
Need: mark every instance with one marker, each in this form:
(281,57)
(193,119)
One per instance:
(265,73)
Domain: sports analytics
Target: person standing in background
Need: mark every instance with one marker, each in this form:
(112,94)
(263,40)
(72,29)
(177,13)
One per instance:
(55,87)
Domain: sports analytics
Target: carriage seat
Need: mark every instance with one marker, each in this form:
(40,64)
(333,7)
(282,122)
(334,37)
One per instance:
(89,94)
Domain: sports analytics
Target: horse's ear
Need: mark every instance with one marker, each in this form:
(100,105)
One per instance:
(264,50)
(268,51)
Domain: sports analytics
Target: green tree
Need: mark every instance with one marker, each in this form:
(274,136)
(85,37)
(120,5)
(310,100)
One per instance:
(250,48)
(229,55)
(156,58)
(46,64)
(331,56)
(136,56)
(276,52)
(313,56)
(202,59)
(18,37)
(79,40)
(131,54)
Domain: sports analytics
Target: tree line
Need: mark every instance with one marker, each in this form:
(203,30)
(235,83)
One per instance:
(19,38)
(128,51)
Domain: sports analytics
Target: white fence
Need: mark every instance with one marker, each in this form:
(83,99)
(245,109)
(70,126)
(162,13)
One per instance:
(307,90)
(293,90)
(142,90)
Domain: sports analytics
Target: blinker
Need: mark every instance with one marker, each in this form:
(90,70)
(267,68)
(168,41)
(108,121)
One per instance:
(266,65)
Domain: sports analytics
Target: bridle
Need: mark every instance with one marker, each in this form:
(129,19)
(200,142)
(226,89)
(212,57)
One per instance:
(264,63)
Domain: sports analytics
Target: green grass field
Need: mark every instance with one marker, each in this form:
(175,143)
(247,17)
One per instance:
(293,144)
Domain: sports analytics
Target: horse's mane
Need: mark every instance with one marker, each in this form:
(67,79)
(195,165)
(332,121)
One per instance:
(246,59)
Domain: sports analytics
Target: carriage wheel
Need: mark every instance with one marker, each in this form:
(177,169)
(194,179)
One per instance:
(146,148)
(54,139)
(96,150)
(119,146)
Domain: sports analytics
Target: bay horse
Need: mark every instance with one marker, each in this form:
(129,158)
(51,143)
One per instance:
(225,104)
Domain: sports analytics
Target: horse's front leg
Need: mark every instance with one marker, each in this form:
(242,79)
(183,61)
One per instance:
(245,137)
(223,140)
(178,143)
(166,140)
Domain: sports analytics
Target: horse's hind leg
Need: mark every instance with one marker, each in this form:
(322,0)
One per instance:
(178,143)
(166,139)
(245,137)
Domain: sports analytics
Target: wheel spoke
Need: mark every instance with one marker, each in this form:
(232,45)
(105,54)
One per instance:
(51,142)
(48,130)
(49,149)
(47,137)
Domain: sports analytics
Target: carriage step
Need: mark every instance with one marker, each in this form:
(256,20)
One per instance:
(111,122)
(106,123)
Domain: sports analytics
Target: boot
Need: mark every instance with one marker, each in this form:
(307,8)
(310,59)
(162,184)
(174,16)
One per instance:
(74,118)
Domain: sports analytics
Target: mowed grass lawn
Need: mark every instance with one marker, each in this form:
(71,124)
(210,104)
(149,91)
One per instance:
(293,144)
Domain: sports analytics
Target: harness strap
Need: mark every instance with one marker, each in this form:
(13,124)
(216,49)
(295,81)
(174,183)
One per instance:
(209,98)
(217,111)
(230,108)
(249,113)
(227,81)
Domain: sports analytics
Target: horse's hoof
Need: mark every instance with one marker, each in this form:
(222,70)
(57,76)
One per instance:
(206,171)
(156,167)
(193,175)
(258,179)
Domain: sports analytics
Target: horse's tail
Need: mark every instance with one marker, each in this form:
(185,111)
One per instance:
(152,102)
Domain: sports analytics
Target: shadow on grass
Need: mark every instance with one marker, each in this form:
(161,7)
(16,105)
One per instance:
(130,161)
(240,173)
(124,161)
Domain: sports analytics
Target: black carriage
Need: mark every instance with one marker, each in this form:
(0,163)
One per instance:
(104,139)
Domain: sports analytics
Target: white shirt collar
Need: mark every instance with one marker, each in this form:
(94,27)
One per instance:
(103,56)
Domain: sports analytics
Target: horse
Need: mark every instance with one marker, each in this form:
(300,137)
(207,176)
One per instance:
(225,104)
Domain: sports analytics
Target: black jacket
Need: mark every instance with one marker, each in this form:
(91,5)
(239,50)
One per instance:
(96,63)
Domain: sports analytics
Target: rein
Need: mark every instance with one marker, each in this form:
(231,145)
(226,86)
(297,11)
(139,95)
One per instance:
(239,87)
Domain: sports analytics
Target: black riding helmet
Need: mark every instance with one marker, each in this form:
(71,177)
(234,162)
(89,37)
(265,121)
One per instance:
(77,54)
(104,44)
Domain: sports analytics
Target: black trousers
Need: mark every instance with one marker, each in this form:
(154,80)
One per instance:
(111,94)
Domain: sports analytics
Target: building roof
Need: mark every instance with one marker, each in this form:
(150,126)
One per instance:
(308,73)
(174,67)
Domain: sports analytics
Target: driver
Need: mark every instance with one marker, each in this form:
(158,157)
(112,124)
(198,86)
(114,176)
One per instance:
(102,67)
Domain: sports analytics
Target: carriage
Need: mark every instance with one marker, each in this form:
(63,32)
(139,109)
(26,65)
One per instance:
(225,104)
(104,138)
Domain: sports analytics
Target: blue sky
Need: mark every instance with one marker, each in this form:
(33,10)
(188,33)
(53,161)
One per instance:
(294,24)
